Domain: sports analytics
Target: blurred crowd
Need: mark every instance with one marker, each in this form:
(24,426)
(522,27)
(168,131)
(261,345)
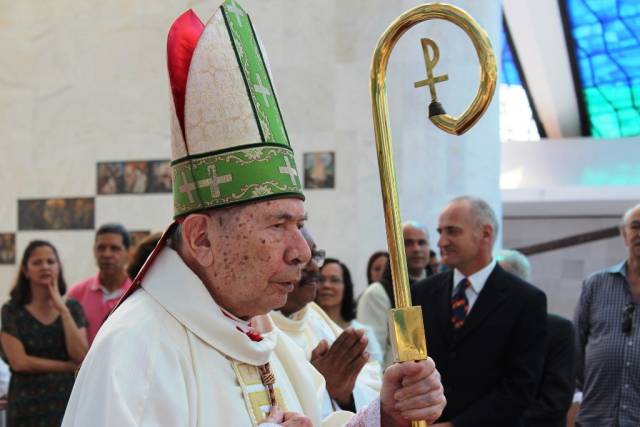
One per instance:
(503,359)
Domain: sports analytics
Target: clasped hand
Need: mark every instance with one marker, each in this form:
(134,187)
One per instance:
(341,363)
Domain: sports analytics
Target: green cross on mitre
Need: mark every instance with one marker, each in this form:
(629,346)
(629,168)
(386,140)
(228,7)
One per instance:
(256,77)
(255,172)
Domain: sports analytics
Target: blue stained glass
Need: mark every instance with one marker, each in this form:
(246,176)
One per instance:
(585,70)
(603,9)
(516,116)
(606,34)
(590,39)
(628,8)
(630,62)
(580,9)
(509,73)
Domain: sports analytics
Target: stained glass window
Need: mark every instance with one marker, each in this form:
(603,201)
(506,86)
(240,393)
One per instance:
(606,38)
(516,117)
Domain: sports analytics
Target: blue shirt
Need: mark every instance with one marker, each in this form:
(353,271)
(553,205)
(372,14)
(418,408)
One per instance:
(608,359)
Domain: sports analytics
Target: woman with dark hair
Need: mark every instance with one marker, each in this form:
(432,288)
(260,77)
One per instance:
(141,253)
(43,338)
(335,297)
(375,266)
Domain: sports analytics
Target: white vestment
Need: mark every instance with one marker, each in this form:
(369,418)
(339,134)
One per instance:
(308,327)
(373,306)
(168,356)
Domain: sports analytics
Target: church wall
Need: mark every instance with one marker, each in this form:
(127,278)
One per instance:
(571,168)
(557,188)
(560,272)
(85,82)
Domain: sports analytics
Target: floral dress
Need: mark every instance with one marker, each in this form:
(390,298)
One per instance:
(38,399)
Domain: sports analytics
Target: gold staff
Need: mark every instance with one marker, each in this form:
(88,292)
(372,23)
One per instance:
(405,322)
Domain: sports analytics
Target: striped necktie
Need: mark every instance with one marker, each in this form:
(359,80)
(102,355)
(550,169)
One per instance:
(460,304)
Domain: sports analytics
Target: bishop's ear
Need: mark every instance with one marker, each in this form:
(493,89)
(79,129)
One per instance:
(196,238)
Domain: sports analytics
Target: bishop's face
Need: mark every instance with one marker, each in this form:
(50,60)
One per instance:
(258,254)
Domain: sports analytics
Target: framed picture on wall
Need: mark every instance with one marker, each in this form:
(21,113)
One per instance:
(134,177)
(7,248)
(56,214)
(319,170)
(159,176)
(110,177)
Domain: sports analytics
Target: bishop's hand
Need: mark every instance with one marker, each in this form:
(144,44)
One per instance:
(411,391)
(277,417)
(341,363)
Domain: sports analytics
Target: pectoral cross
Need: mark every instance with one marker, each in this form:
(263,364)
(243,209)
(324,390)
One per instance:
(430,64)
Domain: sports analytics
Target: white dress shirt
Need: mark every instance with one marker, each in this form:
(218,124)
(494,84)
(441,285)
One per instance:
(477,279)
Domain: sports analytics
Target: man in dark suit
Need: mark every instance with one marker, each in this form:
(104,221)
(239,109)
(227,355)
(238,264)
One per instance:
(485,328)
(553,398)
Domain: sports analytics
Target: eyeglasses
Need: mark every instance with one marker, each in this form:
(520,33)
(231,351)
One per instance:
(318,256)
(333,280)
(627,318)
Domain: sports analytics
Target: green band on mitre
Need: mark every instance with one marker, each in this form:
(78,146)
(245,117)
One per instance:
(233,176)
(254,69)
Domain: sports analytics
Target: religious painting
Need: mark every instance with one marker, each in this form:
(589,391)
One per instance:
(134,177)
(56,214)
(137,236)
(7,248)
(159,176)
(319,170)
(110,177)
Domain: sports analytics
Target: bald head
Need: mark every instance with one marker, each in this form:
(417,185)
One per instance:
(630,230)
(626,218)
(467,228)
(480,212)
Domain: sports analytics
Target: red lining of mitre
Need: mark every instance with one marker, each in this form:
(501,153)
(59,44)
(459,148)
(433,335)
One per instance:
(181,43)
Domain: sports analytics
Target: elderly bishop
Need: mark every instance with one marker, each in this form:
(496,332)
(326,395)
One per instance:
(191,343)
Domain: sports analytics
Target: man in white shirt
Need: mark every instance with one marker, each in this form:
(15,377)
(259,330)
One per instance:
(377,299)
(485,328)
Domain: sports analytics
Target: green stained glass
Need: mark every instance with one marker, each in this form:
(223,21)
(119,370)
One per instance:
(612,111)
(630,123)
(621,175)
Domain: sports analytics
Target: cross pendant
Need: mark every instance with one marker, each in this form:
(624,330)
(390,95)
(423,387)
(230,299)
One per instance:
(430,64)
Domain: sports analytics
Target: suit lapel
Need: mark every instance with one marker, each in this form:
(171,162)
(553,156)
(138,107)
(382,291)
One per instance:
(443,311)
(490,298)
